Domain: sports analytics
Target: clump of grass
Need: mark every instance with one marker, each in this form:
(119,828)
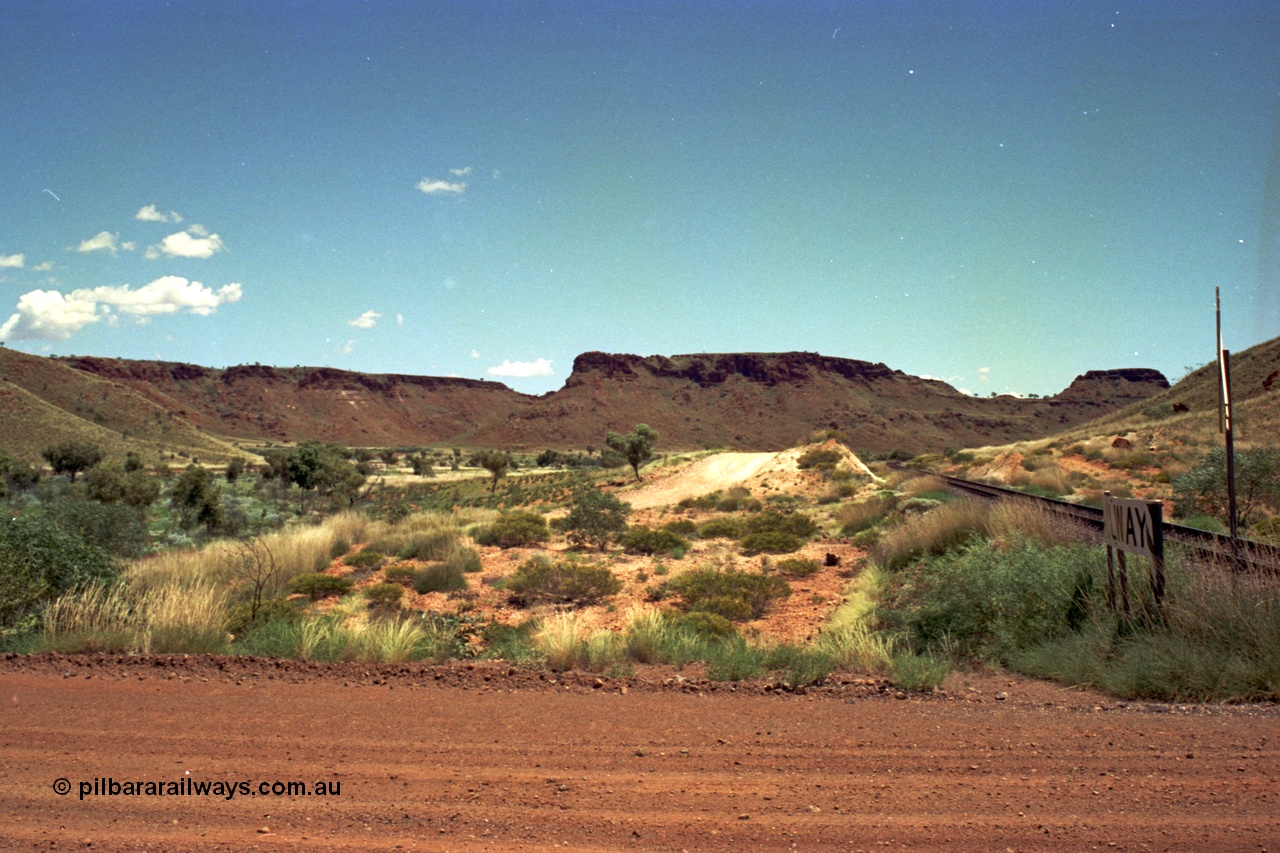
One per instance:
(120,617)
(862,515)
(439,577)
(559,639)
(930,533)
(918,673)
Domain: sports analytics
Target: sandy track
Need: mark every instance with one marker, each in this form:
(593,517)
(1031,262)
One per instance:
(700,477)
(436,758)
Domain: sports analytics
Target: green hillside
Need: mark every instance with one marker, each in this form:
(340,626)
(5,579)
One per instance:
(43,402)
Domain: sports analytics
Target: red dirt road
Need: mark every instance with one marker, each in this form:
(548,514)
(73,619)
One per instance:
(487,758)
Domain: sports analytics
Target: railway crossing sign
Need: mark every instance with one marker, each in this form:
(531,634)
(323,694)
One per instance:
(1135,527)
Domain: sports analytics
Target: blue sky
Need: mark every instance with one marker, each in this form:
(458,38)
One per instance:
(999,194)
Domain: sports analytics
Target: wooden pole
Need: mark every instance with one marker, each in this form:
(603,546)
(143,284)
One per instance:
(1231,463)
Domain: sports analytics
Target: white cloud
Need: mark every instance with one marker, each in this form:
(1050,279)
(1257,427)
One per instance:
(984,374)
(347,348)
(150,214)
(430,186)
(460,173)
(103,241)
(184,245)
(367,320)
(43,267)
(15,262)
(49,315)
(541,367)
(399,319)
(475,353)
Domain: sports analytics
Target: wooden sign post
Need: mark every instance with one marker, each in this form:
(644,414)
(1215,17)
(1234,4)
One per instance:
(1134,527)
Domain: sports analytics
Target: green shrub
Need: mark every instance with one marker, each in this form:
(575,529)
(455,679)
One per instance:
(514,530)
(38,562)
(440,577)
(989,604)
(596,518)
(803,666)
(734,659)
(733,500)
(433,545)
(706,624)
(795,523)
(539,579)
(465,560)
(366,559)
(384,596)
(681,527)
(240,618)
(743,594)
(642,540)
(819,458)
(770,542)
(405,575)
(703,502)
(721,528)
(798,567)
(917,673)
(319,585)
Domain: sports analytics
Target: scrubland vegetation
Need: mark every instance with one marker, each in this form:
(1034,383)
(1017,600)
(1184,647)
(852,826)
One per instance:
(309,558)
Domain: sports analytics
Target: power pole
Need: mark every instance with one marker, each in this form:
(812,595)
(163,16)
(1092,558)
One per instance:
(1224,426)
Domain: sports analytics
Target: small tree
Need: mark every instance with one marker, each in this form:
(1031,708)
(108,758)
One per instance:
(254,564)
(496,462)
(1204,487)
(596,518)
(196,498)
(72,457)
(636,446)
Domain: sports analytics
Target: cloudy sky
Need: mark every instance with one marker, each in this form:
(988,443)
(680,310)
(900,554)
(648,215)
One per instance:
(999,194)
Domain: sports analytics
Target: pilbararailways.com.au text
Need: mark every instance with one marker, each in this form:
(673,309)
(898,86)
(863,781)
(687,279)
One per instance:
(188,787)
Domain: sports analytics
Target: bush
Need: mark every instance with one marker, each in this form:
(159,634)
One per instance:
(642,540)
(770,542)
(539,579)
(820,459)
(384,596)
(802,666)
(796,524)
(39,561)
(401,574)
(989,604)
(798,567)
(734,660)
(596,518)
(366,559)
(440,577)
(917,673)
(721,528)
(432,545)
(681,527)
(731,593)
(319,585)
(514,530)
(465,560)
(1203,489)
(738,498)
(863,515)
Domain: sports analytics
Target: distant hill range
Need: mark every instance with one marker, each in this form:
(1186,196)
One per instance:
(745,401)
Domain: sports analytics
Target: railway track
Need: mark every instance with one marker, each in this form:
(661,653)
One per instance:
(1252,556)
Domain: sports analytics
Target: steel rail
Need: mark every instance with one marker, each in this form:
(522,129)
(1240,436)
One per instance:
(1254,555)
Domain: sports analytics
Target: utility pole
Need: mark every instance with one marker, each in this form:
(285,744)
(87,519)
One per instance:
(1224,426)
